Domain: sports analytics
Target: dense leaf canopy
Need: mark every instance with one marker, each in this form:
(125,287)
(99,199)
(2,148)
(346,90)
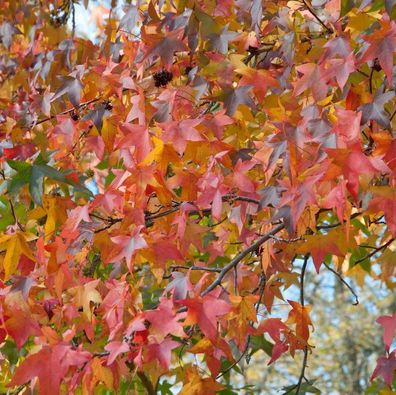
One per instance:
(166,183)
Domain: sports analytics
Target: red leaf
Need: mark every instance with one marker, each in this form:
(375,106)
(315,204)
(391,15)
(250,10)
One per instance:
(115,348)
(382,45)
(20,326)
(204,312)
(162,352)
(385,367)
(164,321)
(50,365)
(389,324)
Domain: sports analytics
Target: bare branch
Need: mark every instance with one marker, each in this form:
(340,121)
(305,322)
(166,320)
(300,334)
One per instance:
(234,262)
(344,282)
(372,253)
(302,302)
(313,13)
(206,269)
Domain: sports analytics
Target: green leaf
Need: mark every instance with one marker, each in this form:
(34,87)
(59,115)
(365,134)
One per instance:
(357,255)
(36,185)
(10,351)
(346,6)
(50,172)
(305,388)
(260,343)
(18,165)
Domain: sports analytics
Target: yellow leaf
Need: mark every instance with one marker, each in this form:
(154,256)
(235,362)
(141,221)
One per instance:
(244,306)
(156,153)
(15,245)
(102,373)
(197,385)
(109,130)
(85,294)
(55,208)
(11,258)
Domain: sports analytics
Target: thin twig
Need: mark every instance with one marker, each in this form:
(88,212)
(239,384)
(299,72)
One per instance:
(319,227)
(81,105)
(73,10)
(371,80)
(18,390)
(302,302)
(288,241)
(234,262)
(378,249)
(206,269)
(363,73)
(150,217)
(15,217)
(344,282)
(146,383)
(313,13)
(241,198)
(12,206)
(393,115)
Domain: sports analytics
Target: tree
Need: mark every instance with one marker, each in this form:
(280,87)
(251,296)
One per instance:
(168,182)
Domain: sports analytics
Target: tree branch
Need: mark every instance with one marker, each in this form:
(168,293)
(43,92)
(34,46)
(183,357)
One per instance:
(344,282)
(150,217)
(313,13)
(368,256)
(234,262)
(206,269)
(146,383)
(302,302)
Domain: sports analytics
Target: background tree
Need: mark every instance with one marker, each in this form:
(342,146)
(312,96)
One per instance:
(167,185)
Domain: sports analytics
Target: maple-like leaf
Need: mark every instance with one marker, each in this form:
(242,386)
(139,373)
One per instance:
(77,215)
(165,47)
(7,31)
(84,295)
(311,79)
(128,245)
(15,245)
(102,373)
(21,325)
(180,285)
(234,97)
(72,88)
(386,367)
(389,324)
(164,321)
(299,315)
(130,18)
(385,200)
(375,110)
(219,41)
(49,365)
(197,385)
(204,312)
(162,352)
(353,164)
(321,245)
(347,127)
(382,45)
(340,69)
(115,348)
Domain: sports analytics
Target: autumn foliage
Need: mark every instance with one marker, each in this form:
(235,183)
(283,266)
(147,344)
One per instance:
(163,186)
